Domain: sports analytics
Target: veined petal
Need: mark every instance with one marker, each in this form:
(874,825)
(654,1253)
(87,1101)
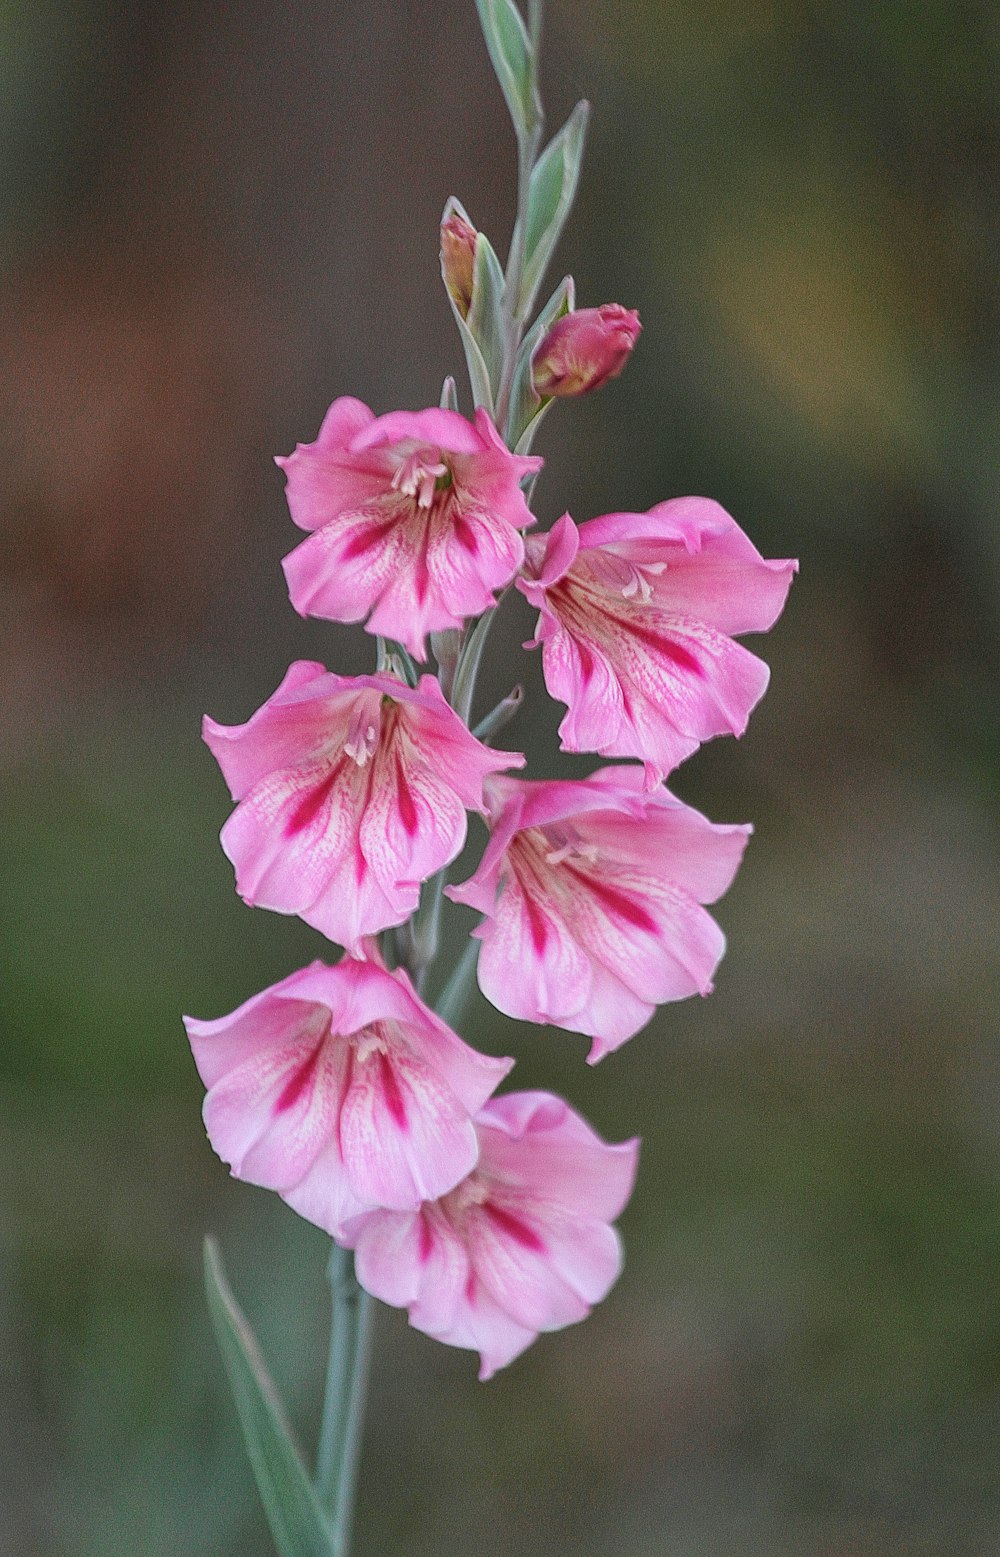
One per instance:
(324,1195)
(637,613)
(536,1145)
(403,1132)
(415,519)
(530,966)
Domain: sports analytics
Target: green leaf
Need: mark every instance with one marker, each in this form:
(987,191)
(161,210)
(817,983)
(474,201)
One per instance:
(453,999)
(513,61)
(526,407)
(297,1521)
(550,198)
(485,321)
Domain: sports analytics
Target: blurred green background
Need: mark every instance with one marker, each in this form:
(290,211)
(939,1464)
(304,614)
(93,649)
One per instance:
(214,220)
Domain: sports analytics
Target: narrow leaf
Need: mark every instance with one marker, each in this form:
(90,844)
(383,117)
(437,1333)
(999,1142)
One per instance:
(297,1521)
(485,321)
(525,405)
(453,999)
(479,377)
(512,59)
(550,198)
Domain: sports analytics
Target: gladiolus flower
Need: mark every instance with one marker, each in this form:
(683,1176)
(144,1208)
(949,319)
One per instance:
(592,892)
(341,1090)
(416,518)
(524,1244)
(352,790)
(582,350)
(636,625)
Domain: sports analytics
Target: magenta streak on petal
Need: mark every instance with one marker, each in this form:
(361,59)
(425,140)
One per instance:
(667,647)
(407,810)
(390,1090)
(311,804)
(618,902)
(426,1242)
(512,1225)
(465,535)
(536,921)
(300,1079)
(370,535)
(421,578)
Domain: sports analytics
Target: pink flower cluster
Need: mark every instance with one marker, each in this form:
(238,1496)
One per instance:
(488,1218)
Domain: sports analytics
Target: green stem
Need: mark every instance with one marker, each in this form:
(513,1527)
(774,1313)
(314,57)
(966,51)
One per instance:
(527,150)
(468,665)
(344,1398)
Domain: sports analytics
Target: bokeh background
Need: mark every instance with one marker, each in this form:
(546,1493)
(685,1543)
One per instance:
(214,220)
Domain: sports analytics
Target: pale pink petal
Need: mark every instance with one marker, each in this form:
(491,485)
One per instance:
(511,1256)
(340,572)
(481,1325)
(530,966)
(270,1021)
(715,572)
(294,1102)
(436,426)
(417,1254)
(404,1134)
(324,1196)
(544,1270)
(280,732)
(612,1015)
(536,1144)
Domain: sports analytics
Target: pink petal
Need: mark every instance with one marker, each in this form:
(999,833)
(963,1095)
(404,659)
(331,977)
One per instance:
(530,966)
(404,1135)
(273,1020)
(280,732)
(537,1144)
(271,1116)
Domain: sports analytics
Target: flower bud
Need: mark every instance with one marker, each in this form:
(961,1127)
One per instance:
(458,257)
(583,350)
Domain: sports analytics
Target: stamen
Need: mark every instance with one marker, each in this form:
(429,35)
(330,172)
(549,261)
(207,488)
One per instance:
(418,476)
(363,731)
(368,1042)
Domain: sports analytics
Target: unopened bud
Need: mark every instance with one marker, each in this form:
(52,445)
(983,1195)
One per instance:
(584,349)
(458,258)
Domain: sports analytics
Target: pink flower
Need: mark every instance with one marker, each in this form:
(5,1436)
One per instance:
(637,613)
(582,350)
(592,892)
(524,1244)
(416,518)
(340,1089)
(353,790)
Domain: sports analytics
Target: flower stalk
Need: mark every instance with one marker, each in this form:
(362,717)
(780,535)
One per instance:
(344,1399)
(489,1218)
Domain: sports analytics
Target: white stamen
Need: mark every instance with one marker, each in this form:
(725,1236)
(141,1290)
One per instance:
(418,476)
(362,735)
(368,1043)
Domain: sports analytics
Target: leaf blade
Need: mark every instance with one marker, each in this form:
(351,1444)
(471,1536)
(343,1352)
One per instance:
(297,1521)
(512,58)
(551,192)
